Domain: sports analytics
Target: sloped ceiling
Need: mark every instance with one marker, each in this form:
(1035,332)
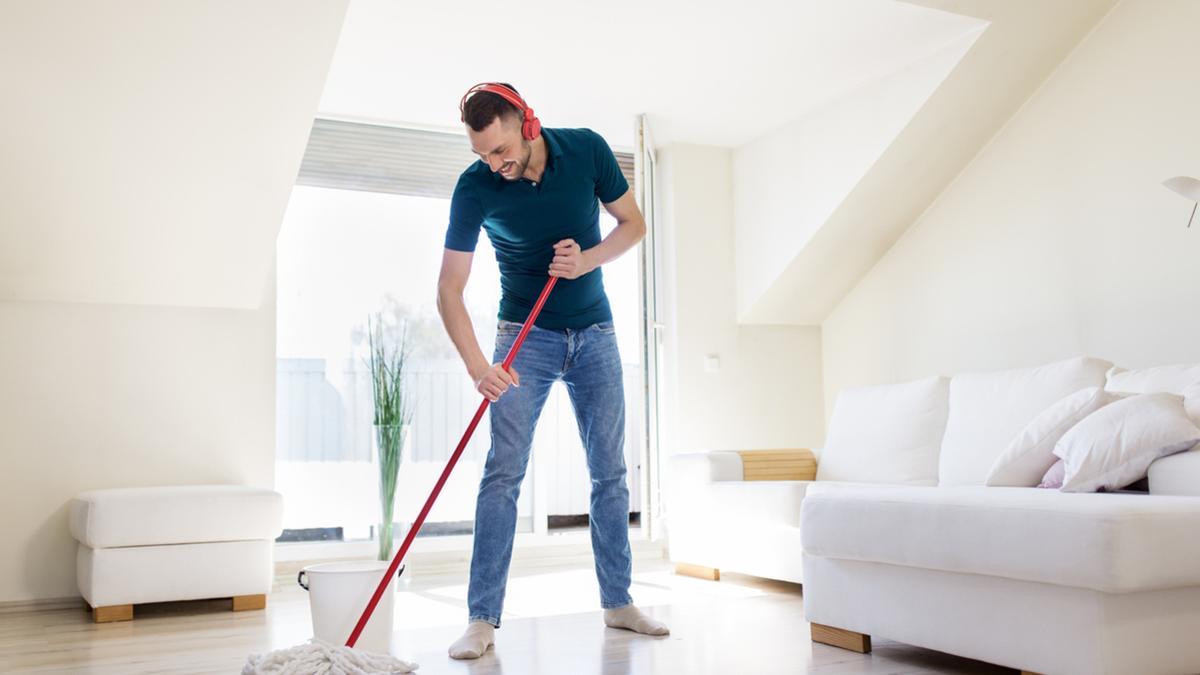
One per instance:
(704,71)
(1022,44)
(149,148)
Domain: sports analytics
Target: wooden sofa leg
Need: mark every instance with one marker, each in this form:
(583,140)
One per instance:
(839,637)
(698,571)
(112,613)
(242,603)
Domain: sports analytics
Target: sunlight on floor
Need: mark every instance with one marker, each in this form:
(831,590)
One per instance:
(557,593)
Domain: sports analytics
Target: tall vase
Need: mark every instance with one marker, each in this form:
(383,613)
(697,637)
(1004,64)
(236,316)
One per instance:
(389,443)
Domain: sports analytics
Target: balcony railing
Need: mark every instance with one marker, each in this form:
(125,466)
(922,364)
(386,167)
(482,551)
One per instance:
(324,415)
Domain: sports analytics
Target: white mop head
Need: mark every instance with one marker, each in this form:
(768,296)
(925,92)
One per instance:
(321,658)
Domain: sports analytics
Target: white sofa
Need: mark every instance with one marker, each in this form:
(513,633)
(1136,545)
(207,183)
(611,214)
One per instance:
(188,542)
(898,536)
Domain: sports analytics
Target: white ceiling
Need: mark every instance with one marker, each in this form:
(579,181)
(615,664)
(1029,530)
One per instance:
(1023,43)
(152,146)
(705,72)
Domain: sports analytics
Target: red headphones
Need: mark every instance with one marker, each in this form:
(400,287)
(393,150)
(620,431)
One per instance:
(531,126)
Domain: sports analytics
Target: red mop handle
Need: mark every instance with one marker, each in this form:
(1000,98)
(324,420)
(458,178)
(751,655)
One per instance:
(412,531)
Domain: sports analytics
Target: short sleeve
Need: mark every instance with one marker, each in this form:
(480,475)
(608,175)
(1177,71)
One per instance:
(610,182)
(466,217)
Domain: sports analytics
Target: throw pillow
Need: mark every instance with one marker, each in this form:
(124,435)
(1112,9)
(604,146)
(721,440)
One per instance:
(1027,458)
(1115,445)
(1054,476)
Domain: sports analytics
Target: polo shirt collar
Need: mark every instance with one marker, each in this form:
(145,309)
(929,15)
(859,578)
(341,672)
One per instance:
(553,150)
(552,146)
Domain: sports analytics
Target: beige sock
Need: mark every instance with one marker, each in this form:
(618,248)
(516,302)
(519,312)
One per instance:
(474,642)
(632,618)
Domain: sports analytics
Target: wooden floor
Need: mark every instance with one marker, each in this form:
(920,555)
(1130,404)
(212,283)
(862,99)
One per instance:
(551,626)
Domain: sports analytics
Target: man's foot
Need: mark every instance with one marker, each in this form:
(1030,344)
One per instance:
(474,642)
(632,618)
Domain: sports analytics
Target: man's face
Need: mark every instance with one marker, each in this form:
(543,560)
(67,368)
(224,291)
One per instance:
(501,147)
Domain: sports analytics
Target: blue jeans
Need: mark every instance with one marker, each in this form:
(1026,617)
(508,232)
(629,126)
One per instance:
(586,360)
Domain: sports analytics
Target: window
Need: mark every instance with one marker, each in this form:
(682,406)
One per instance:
(363,234)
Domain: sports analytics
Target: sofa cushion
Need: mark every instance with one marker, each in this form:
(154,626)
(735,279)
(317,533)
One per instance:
(886,434)
(1177,474)
(1105,542)
(183,514)
(988,410)
(1171,379)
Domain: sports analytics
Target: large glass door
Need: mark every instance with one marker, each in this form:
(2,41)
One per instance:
(354,251)
(651,333)
(346,256)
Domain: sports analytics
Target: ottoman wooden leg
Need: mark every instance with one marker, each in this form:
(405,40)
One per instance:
(839,637)
(112,613)
(242,603)
(698,571)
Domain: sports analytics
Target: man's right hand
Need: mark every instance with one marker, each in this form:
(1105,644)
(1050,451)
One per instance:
(495,381)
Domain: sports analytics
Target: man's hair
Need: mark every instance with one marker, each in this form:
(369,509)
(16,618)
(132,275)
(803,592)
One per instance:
(484,106)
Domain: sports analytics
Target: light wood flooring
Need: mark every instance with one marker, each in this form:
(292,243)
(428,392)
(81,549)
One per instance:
(552,625)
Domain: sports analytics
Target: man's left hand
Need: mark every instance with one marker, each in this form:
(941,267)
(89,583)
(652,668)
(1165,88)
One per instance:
(570,262)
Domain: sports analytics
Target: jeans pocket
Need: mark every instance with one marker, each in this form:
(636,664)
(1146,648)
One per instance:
(606,327)
(508,327)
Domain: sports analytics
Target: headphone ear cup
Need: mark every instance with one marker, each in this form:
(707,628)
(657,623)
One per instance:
(532,126)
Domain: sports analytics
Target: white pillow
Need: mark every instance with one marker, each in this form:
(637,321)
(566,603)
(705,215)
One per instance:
(1191,402)
(988,410)
(1171,379)
(1115,445)
(1031,453)
(886,434)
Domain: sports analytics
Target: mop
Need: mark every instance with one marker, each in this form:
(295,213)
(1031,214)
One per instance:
(316,657)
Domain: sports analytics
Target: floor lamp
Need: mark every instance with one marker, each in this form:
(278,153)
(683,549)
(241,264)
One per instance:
(1188,187)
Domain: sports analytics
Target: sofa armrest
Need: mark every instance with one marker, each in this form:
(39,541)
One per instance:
(1177,474)
(748,504)
(778,464)
(737,465)
(705,467)
(714,498)
(710,486)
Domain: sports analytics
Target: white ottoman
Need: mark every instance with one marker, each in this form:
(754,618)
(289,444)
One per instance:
(158,544)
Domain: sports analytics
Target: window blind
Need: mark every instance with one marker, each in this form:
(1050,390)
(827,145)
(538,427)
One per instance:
(379,158)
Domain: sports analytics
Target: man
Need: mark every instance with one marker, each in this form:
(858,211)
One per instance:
(535,192)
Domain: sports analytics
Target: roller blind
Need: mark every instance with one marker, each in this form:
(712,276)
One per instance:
(378,158)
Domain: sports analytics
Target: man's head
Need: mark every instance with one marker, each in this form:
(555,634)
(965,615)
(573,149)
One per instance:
(494,128)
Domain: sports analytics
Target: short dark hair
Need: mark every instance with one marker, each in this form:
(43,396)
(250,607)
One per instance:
(483,107)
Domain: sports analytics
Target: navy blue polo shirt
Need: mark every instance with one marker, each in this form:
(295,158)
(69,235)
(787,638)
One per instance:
(524,220)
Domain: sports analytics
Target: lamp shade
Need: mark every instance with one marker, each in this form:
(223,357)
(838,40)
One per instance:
(1188,187)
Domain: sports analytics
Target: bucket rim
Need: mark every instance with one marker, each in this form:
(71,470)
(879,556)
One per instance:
(349,567)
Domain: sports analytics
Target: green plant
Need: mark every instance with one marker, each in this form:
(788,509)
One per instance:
(389,355)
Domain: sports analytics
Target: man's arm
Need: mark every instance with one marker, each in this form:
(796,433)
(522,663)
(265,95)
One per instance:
(490,380)
(570,262)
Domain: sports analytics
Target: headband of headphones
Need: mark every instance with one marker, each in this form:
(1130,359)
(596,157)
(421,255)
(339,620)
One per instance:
(530,125)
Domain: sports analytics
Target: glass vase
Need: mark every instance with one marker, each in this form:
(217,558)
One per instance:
(389,444)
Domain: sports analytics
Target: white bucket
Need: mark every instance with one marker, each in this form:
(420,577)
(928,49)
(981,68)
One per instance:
(337,595)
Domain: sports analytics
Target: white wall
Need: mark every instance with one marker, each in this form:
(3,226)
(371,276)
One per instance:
(787,183)
(150,147)
(98,396)
(147,167)
(767,393)
(1058,239)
